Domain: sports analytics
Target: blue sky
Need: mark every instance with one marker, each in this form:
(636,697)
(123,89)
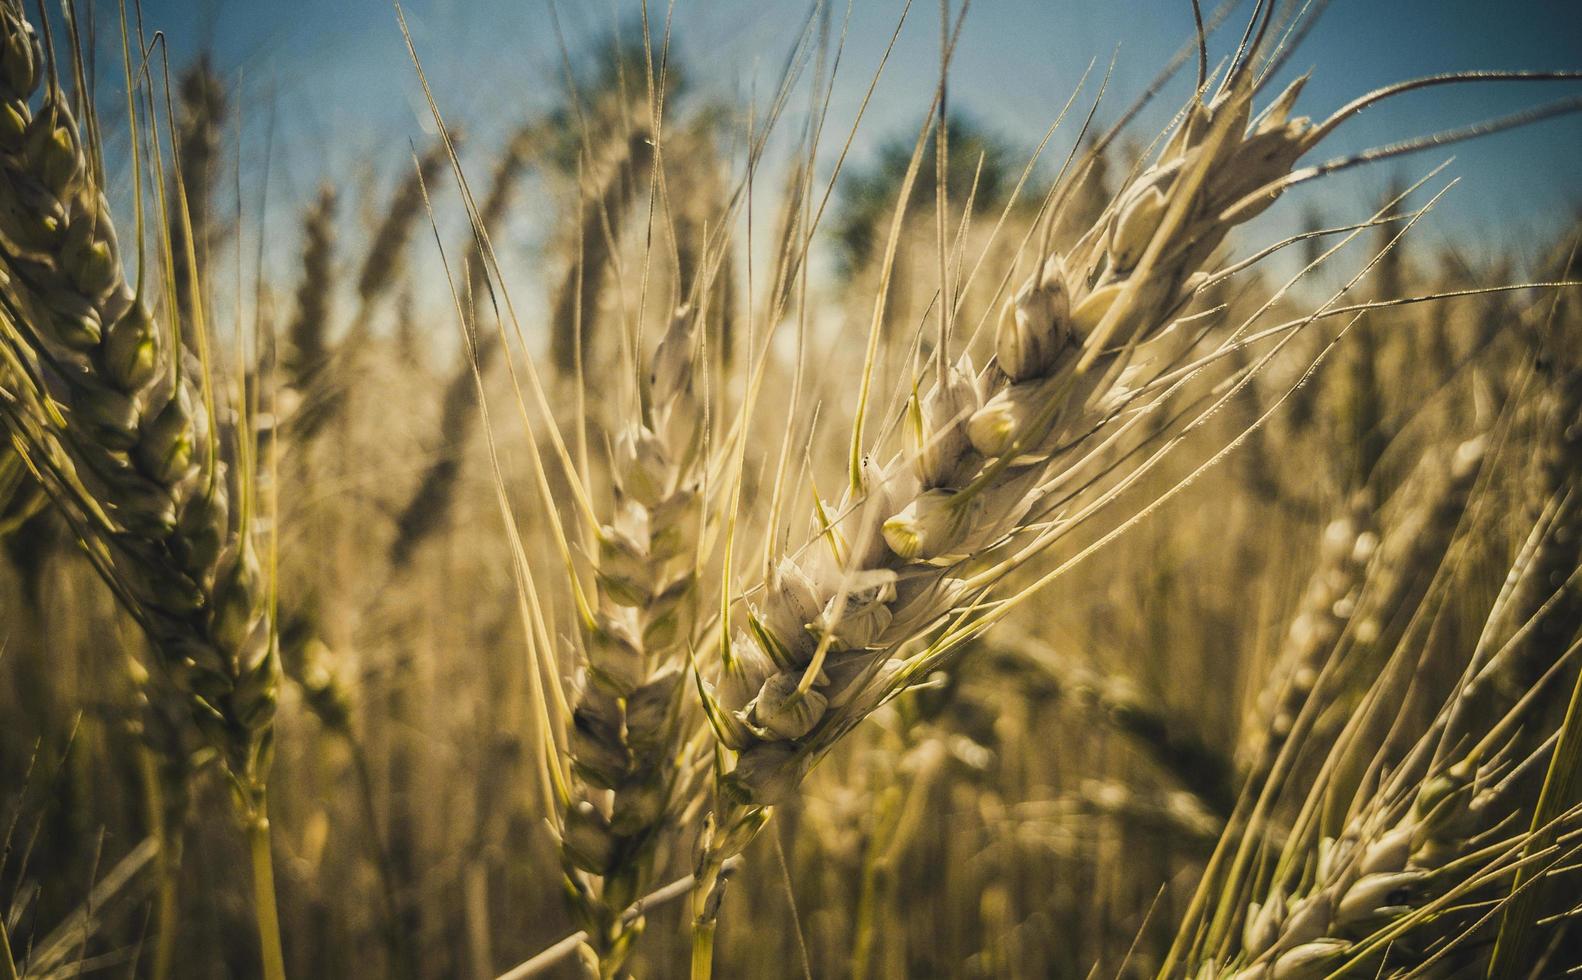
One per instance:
(333,78)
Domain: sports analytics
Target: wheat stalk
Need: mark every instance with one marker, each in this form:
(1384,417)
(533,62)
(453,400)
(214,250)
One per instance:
(124,439)
(626,740)
(985,450)
(838,625)
(172,758)
(1397,885)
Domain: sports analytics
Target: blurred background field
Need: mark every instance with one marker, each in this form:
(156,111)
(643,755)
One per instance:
(1047,806)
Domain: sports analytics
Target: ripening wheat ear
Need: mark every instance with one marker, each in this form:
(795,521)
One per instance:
(819,648)
(382,267)
(621,732)
(1115,701)
(1346,546)
(201,118)
(123,435)
(697,199)
(1403,856)
(384,261)
(844,621)
(1404,878)
(627,741)
(307,341)
(575,316)
(429,504)
(1540,613)
(1552,591)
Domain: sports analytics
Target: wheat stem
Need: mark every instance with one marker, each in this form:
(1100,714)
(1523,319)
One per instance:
(166,907)
(702,949)
(167,912)
(264,909)
(549,956)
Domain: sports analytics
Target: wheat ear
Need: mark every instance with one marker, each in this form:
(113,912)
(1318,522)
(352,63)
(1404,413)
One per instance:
(1202,769)
(125,439)
(818,650)
(574,317)
(381,268)
(1346,546)
(429,503)
(1399,884)
(190,195)
(307,341)
(627,740)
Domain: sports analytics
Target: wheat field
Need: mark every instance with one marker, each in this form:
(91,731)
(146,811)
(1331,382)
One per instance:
(832,540)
